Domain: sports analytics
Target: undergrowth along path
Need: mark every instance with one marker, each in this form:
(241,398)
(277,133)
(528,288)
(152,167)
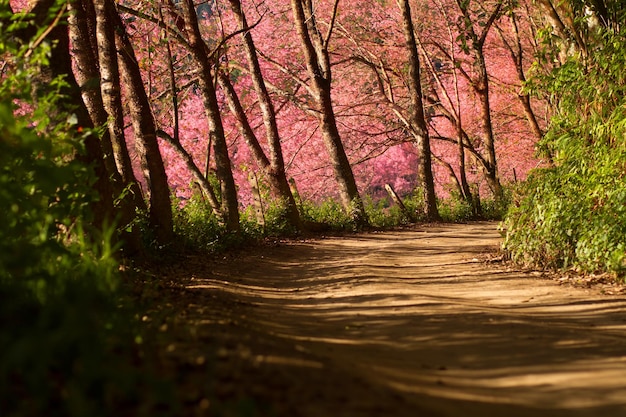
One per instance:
(411,322)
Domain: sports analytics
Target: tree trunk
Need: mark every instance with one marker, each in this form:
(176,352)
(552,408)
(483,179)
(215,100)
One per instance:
(60,64)
(482,91)
(201,179)
(517,55)
(480,86)
(275,170)
(398,202)
(418,120)
(315,49)
(565,26)
(81,23)
(112,96)
(230,206)
(146,143)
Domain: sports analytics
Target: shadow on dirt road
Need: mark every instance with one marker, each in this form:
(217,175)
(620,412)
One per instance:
(403,323)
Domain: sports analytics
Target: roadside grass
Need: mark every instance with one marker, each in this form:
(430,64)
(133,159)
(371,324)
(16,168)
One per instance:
(198,229)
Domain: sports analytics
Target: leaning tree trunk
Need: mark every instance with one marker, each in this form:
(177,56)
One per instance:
(315,50)
(201,180)
(274,166)
(481,87)
(418,120)
(230,206)
(144,127)
(517,55)
(112,96)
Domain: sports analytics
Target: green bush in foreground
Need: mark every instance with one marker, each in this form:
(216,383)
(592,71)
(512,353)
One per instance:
(67,347)
(59,314)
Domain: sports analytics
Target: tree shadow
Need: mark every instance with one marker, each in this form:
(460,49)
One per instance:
(427,321)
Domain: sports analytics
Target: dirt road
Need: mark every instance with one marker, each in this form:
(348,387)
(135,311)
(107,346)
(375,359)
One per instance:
(398,323)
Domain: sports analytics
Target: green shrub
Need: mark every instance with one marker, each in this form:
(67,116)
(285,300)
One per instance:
(196,226)
(381,214)
(59,313)
(573,214)
(496,209)
(455,210)
(329,212)
(276,220)
(67,345)
(385,214)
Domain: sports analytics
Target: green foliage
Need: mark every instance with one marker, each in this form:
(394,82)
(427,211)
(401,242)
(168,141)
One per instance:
(196,225)
(199,229)
(455,209)
(497,208)
(329,213)
(277,220)
(67,346)
(572,214)
(382,215)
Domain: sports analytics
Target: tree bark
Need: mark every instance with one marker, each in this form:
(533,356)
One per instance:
(482,91)
(274,166)
(82,29)
(480,85)
(565,26)
(398,202)
(517,55)
(144,127)
(201,180)
(60,65)
(112,96)
(417,118)
(230,206)
(81,24)
(315,50)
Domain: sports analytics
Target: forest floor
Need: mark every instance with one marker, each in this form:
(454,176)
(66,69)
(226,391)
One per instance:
(425,321)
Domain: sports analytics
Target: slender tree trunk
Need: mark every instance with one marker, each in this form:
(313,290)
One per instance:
(451,174)
(453,114)
(466,192)
(112,95)
(482,91)
(275,170)
(418,120)
(465,189)
(517,55)
(276,176)
(201,180)
(315,49)
(481,87)
(230,206)
(146,143)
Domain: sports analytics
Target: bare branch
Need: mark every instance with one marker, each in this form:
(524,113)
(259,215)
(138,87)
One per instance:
(331,25)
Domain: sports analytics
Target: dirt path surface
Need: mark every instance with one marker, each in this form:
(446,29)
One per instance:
(407,323)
